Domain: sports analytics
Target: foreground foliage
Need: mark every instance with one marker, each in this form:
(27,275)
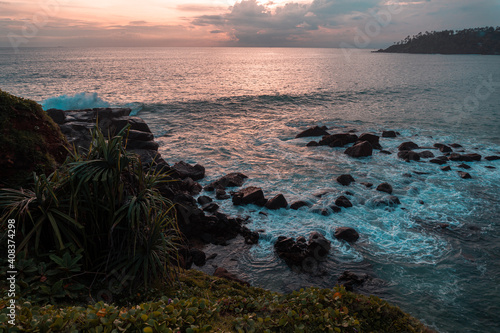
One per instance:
(201,303)
(101,206)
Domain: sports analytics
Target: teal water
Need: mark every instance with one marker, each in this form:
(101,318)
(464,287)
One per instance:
(239,109)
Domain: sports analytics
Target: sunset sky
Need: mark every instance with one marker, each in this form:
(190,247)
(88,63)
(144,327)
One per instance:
(302,23)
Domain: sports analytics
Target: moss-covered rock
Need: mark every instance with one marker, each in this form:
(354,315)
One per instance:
(29,140)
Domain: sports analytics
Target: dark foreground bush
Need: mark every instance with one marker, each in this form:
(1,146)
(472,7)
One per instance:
(201,303)
(102,207)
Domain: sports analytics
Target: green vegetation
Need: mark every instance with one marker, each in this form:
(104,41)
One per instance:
(468,41)
(103,207)
(30,140)
(201,303)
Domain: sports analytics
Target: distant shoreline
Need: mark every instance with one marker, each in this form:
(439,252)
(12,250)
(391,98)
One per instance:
(481,41)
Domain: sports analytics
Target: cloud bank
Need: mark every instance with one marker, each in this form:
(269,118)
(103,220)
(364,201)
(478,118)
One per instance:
(315,23)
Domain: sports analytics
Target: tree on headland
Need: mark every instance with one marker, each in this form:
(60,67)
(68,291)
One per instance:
(468,41)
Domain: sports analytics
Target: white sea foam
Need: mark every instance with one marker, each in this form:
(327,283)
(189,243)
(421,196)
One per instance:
(78,101)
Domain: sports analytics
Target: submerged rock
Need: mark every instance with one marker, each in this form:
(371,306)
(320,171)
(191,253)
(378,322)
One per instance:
(312,144)
(385,187)
(492,158)
(221,194)
(409,155)
(443,148)
(389,134)
(223,273)
(349,279)
(342,201)
(440,160)
(446,168)
(464,175)
(297,204)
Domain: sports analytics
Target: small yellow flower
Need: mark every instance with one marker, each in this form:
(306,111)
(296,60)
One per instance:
(147,330)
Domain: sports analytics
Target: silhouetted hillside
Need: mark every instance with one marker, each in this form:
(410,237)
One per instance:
(468,41)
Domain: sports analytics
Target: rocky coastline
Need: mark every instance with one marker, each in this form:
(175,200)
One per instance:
(200,220)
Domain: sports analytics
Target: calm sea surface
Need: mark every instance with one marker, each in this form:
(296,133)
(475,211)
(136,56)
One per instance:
(239,109)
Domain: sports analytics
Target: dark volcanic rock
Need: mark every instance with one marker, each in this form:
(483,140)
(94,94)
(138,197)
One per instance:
(313,131)
(199,257)
(440,160)
(390,200)
(456,145)
(385,187)
(335,209)
(368,185)
(492,158)
(210,207)
(318,245)
(443,148)
(223,273)
(360,149)
(345,180)
(464,175)
(342,201)
(347,234)
(341,139)
(371,138)
(407,146)
(248,195)
(386,152)
(277,202)
(221,194)
(185,170)
(349,280)
(203,200)
(312,144)
(297,204)
(446,168)
(300,255)
(464,166)
(426,154)
(388,134)
(464,157)
(235,179)
(409,155)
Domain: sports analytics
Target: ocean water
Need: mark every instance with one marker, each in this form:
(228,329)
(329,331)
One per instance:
(239,109)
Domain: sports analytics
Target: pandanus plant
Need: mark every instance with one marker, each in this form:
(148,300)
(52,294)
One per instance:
(103,202)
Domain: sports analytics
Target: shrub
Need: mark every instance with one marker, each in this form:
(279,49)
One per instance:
(104,204)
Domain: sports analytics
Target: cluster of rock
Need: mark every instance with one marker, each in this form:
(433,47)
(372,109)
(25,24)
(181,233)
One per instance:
(76,125)
(363,146)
